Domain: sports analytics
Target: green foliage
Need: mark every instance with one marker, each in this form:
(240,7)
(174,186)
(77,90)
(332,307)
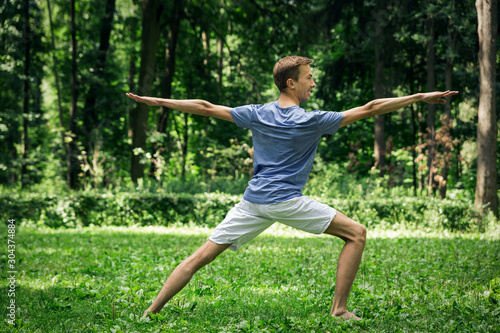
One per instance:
(102,279)
(338,36)
(13,79)
(77,209)
(122,209)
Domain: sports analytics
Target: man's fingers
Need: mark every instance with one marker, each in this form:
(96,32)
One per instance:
(136,98)
(133,96)
(449,93)
(438,98)
(146,100)
(446,94)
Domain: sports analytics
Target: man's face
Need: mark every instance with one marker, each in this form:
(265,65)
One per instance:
(305,84)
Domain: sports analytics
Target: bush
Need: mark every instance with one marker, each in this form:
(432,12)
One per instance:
(143,208)
(453,215)
(124,209)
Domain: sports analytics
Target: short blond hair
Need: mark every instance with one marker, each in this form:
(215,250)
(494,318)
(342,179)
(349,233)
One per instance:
(288,68)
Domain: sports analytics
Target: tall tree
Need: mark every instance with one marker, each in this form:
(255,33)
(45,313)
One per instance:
(151,13)
(26,101)
(486,183)
(413,128)
(21,72)
(167,79)
(379,89)
(445,131)
(132,24)
(74,164)
(58,87)
(431,108)
(91,110)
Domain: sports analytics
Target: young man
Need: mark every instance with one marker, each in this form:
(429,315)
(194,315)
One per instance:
(285,138)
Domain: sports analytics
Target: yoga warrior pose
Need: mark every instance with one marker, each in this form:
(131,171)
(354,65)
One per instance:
(285,138)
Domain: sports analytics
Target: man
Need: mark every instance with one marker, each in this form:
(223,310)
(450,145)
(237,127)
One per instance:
(285,138)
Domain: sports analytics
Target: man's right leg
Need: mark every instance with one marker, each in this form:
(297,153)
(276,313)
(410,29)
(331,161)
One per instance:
(354,236)
(183,273)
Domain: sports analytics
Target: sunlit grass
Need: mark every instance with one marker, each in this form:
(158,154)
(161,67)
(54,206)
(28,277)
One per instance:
(101,279)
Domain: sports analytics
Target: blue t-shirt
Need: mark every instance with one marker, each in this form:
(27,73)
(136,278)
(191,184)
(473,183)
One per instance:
(285,142)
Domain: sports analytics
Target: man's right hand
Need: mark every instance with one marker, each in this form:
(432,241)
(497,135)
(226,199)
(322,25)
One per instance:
(193,106)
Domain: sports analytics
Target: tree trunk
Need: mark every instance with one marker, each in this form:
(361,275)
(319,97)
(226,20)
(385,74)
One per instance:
(170,53)
(74,167)
(486,184)
(91,114)
(431,108)
(131,87)
(185,143)
(413,127)
(422,143)
(220,65)
(132,69)
(26,102)
(446,139)
(379,90)
(151,13)
(58,89)
(413,133)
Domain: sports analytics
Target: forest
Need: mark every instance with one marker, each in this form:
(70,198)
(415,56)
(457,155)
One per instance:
(66,124)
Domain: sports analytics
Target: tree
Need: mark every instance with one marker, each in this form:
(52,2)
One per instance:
(58,86)
(91,109)
(73,163)
(22,50)
(26,100)
(151,13)
(431,108)
(379,89)
(166,84)
(445,132)
(486,183)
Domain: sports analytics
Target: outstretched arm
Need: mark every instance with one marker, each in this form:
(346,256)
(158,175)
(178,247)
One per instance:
(194,106)
(386,105)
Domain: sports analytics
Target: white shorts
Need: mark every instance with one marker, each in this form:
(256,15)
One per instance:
(247,220)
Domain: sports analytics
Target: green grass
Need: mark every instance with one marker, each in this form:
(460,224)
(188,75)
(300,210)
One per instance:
(102,279)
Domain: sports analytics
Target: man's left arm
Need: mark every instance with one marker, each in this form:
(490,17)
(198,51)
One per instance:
(387,105)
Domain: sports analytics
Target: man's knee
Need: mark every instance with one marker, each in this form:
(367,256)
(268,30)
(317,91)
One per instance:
(361,234)
(347,229)
(197,261)
(202,257)
(358,233)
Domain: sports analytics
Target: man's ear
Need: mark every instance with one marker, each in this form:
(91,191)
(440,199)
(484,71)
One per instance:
(290,84)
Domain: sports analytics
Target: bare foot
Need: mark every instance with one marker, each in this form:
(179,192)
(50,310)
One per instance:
(347,316)
(146,316)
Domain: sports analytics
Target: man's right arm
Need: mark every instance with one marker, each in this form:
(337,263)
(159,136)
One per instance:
(193,106)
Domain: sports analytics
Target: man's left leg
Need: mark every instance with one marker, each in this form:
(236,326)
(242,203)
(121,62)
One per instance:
(354,236)
(183,273)
(309,215)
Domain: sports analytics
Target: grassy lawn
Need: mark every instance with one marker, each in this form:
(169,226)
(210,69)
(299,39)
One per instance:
(102,279)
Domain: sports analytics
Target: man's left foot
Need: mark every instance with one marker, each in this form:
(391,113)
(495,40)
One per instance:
(347,316)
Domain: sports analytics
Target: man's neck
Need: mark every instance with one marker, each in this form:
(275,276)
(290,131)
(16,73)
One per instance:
(286,101)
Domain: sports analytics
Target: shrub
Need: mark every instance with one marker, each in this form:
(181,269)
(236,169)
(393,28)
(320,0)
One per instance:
(454,215)
(80,209)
